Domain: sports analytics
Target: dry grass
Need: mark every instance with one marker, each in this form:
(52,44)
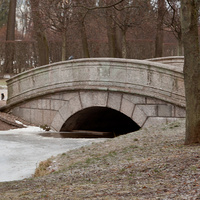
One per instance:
(43,168)
(149,164)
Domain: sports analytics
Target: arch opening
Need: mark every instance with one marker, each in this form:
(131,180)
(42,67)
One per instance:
(100,119)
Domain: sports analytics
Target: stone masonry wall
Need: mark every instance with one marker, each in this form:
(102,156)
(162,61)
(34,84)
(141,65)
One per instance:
(53,110)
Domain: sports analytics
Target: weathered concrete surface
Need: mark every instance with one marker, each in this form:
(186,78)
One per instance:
(171,60)
(142,90)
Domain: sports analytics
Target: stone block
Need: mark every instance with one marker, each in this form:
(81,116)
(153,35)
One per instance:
(44,104)
(118,74)
(149,110)
(134,98)
(56,104)
(180,112)
(114,100)
(165,110)
(139,116)
(93,98)
(36,117)
(25,114)
(69,95)
(70,107)
(154,121)
(48,116)
(136,76)
(127,107)
(154,101)
(104,71)
(57,122)
(32,104)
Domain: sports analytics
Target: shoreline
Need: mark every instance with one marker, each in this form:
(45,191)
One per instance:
(151,163)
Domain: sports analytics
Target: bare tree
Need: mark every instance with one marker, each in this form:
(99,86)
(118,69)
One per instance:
(39,32)
(189,22)
(173,22)
(159,30)
(4,9)
(10,38)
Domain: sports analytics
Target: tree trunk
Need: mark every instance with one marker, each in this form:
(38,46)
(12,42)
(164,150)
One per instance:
(180,48)
(42,43)
(10,34)
(189,22)
(86,53)
(111,34)
(64,46)
(124,44)
(159,31)
(10,38)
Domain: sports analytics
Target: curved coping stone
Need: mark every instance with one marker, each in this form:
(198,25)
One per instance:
(131,76)
(167,58)
(172,60)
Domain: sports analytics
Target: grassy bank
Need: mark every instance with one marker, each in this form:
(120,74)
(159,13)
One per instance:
(148,164)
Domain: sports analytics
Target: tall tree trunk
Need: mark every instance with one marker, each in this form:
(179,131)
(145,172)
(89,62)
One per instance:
(10,34)
(159,30)
(124,44)
(111,34)
(86,53)
(42,43)
(180,48)
(189,22)
(63,46)
(10,38)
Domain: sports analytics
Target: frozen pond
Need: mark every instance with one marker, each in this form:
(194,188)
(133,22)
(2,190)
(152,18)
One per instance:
(21,150)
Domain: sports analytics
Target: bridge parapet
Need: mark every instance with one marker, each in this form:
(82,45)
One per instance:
(139,77)
(171,60)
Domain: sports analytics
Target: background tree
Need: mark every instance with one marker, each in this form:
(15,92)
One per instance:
(4,9)
(57,18)
(39,32)
(10,38)
(159,29)
(189,22)
(172,21)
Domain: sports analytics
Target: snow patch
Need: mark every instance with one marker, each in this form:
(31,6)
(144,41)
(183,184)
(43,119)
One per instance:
(27,129)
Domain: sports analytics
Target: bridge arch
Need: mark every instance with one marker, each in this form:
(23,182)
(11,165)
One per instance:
(100,119)
(144,91)
(96,102)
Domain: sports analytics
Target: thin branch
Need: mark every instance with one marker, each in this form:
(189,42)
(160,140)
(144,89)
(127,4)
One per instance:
(98,7)
(174,11)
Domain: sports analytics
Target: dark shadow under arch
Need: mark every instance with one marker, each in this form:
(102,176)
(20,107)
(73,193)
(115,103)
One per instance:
(100,119)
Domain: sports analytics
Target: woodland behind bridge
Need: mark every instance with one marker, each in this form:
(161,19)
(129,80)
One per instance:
(38,32)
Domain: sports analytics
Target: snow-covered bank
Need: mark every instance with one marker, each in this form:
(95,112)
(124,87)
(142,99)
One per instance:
(21,150)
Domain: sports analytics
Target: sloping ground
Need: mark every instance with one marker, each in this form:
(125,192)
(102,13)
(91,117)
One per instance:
(149,164)
(8,121)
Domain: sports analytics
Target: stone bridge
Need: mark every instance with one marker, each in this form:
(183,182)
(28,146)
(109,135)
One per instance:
(98,94)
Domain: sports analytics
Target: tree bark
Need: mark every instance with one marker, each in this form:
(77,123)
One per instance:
(63,46)
(111,34)
(86,53)
(10,38)
(159,31)
(42,43)
(180,47)
(189,22)
(124,44)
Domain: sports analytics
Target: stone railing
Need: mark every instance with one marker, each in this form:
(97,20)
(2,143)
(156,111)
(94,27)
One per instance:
(171,60)
(142,77)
